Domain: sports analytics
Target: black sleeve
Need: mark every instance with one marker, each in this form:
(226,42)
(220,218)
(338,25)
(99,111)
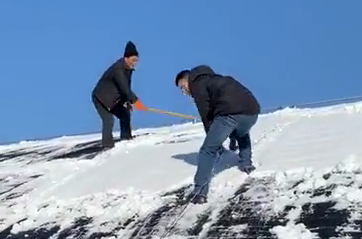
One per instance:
(125,89)
(202,100)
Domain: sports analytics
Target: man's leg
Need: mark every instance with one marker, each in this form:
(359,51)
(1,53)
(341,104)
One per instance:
(245,152)
(107,124)
(232,144)
(245,123)
(126,131)
(219,131)
(124,115)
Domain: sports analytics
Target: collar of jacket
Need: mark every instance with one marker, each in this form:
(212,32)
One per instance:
(200,70)
(195,73)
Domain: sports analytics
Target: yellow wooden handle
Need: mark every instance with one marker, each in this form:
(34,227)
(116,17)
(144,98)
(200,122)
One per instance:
(172,113)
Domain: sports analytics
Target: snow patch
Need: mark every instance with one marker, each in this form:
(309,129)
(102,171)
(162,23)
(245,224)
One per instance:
(298,231)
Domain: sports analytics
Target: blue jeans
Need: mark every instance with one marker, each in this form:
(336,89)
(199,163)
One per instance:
(235,126)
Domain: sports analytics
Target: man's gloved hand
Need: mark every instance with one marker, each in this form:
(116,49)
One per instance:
(139,106)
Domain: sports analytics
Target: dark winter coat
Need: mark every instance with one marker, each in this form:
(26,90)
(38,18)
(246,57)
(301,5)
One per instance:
(115,85)
(217,95)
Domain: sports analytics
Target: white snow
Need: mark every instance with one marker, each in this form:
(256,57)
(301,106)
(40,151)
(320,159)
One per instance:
(295,231)
(291,146)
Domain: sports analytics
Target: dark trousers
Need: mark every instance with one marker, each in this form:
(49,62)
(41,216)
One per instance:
(122,113)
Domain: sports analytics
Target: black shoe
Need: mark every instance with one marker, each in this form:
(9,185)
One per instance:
(105,148)
(247,169)
(127,137)
(232,145)
(196,199)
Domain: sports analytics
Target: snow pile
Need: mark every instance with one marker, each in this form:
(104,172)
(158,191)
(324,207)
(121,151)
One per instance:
(107,209)
(298,231)
(308,167)
(297,189)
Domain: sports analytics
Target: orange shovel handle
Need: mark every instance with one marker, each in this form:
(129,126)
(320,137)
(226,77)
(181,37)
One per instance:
(172,113)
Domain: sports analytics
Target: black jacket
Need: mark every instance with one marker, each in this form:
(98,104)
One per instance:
(115,85)
(217,95)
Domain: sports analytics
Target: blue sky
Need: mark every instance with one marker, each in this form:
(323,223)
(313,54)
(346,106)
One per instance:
(53,53)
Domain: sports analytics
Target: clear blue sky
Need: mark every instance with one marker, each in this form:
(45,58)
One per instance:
(53,52)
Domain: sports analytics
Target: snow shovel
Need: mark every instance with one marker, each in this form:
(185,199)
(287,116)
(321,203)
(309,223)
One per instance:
(172,113)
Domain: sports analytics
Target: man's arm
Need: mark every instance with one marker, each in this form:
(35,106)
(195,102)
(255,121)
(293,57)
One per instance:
(202,100)
(125,89)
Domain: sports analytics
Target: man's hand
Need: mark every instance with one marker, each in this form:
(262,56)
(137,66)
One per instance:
(128,106)
(139,106)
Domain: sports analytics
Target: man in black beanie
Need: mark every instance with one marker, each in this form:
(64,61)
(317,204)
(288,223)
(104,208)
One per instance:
(113,96)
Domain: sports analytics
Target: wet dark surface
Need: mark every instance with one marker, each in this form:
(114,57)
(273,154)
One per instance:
(26,154)
(86,150)
(243,210)
(6,192)
(83,151)
(242,217)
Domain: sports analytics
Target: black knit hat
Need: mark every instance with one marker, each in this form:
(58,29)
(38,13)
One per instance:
(130,50)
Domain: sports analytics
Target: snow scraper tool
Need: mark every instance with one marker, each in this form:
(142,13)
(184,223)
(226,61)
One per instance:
(173,113)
